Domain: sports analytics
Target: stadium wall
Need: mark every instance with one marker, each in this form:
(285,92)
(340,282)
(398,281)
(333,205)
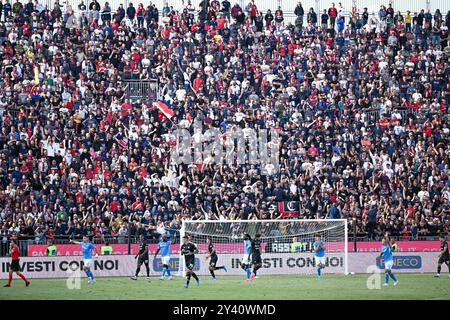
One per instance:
(276,263)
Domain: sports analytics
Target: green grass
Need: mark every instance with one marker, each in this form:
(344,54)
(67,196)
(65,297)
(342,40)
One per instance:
(411,286)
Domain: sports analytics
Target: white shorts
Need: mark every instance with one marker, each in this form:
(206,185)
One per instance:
(388,264)
(165,260)
(319,260)
(88,263)
(246,259)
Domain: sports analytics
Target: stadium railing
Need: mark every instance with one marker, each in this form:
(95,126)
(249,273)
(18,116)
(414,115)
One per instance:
(288,6)
(143,90)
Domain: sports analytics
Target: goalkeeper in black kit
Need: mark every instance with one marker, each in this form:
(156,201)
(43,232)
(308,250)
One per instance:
(256,255)
(189,249)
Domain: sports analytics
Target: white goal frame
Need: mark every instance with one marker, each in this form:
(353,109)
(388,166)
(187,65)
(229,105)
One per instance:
(182,266)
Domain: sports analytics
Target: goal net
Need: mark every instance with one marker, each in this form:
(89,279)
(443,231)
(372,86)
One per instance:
(287,245)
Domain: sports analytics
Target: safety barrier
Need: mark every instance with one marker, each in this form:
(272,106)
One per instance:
(143,90)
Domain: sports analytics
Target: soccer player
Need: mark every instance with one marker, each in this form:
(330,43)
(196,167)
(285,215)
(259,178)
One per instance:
(386,252)
(393,244)
(15,264)
(246,262)
(189,249)
(143,258)
(87,248)
(444,256)
(212,254)
(164,247)
(319,254)
(256,255)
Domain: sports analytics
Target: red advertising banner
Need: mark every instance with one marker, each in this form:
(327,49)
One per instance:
(403,246)
(39,250)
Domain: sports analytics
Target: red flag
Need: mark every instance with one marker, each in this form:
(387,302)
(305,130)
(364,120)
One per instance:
(164,109)
(288,209)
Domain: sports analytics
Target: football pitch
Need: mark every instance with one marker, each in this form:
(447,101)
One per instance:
(351,287)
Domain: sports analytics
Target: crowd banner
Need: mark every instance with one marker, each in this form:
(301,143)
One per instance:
(273,264)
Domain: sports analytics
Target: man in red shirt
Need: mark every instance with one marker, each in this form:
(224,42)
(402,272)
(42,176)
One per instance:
(332,12)
(15,265)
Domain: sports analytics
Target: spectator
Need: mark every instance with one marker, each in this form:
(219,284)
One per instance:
(131,11)
(332,12)
(312,17)
(279,16)
(140,15)
(299,11)
(106,13)
(324,20)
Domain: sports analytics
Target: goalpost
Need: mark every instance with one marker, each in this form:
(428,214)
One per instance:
(287,245)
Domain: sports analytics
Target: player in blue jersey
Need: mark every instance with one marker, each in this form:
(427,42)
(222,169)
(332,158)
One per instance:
(87,248)
(319,254)
(246,262)
(386,253)
(164,248)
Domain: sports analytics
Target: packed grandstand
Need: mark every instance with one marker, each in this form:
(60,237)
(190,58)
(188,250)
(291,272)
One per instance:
(360,101)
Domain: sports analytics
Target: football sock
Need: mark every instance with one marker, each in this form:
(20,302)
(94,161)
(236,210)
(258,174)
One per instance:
(188,279)
(23,278)
(393,277)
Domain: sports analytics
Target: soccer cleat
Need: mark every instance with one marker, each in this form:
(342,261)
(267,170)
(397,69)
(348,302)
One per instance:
(225,269)
(256,277)
(395,283)
(162,278)
(148,278)
(89,281)
(133,278)
(170,277)
(186,286)
(27,284)
(437,275)
(93,281)
(252,276)
(198,282)
(7,286)
(385,284)
(214,279)
(247,280)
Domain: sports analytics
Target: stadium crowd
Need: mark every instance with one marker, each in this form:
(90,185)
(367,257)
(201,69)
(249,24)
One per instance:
(360,101)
